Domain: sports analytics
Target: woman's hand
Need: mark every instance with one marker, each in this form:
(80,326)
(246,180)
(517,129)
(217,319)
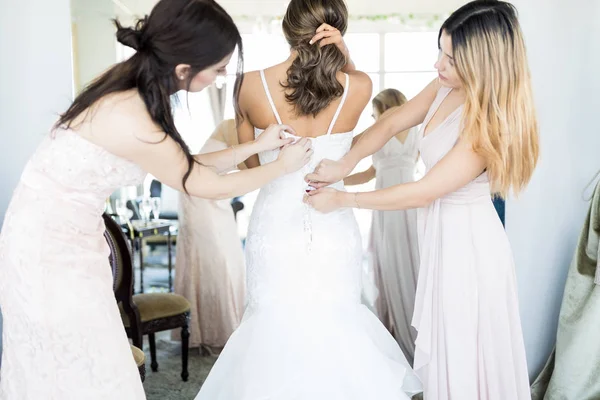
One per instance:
(324,200)
(295,156)
(328,172)
(273,138)
(327,34)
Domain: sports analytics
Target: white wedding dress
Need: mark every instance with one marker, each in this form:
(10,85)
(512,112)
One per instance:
(305,334)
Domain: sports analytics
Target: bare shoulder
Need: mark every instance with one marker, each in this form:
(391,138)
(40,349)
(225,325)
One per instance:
(432,88)
(118,122)
(361,78)
(427,96)
(360,81)
(361,88)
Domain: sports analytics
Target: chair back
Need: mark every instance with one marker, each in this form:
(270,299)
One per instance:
(122,270)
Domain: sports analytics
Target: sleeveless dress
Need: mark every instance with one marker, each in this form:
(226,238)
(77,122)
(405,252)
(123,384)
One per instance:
(469,344)
(305,334)
(210,268)
(63,335)
(394,244)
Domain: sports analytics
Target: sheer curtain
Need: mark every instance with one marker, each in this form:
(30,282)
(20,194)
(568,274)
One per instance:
(217,94)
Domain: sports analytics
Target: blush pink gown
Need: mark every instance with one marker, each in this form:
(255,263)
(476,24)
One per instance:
(469,344)
(63,335)
(210,268)
(394,244)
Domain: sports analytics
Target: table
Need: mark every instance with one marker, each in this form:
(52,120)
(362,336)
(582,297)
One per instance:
(137,231)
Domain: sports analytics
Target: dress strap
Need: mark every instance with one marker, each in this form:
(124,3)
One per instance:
(264,82)
(339,109)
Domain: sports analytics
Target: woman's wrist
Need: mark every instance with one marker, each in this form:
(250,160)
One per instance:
(348,164)
(346,199)
(280,167)
(253,147)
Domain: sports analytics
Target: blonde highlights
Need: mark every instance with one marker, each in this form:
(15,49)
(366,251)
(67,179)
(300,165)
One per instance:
(387,99)
(499,117)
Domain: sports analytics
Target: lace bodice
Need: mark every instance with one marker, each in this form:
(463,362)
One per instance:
(79,170)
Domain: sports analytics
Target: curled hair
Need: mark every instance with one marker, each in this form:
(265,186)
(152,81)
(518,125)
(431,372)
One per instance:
(312,77)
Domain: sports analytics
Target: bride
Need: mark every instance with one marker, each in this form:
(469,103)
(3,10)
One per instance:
(305,334)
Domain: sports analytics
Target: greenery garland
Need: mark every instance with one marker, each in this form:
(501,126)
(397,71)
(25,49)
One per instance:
(425,20)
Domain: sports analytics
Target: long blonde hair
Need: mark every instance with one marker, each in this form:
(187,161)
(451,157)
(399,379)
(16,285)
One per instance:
(499,117)
(387,99)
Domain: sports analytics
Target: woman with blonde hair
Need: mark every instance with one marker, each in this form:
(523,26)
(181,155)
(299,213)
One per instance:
(305,334)
(393,243)
(479,135)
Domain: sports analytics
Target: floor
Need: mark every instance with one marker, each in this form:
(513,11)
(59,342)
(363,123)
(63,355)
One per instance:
(166,383)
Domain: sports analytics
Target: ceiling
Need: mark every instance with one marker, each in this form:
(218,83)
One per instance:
(277,7)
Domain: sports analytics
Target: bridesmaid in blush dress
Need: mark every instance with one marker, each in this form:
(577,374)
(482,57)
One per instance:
(63,338)
(479,136)
(210,269)
(393,243)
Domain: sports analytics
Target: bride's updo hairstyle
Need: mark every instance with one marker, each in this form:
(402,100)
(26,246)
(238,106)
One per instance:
(312,76)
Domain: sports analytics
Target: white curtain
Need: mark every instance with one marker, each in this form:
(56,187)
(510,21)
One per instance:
(218,97)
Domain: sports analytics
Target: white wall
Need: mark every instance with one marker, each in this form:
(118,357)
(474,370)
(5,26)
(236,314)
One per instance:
(94,39)
(35,80)
(543,225)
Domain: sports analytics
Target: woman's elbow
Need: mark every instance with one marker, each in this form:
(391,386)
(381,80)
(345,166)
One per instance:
(423,201)
(423,196)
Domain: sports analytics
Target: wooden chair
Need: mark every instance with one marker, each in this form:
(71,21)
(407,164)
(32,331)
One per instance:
(149,313)
(122,282)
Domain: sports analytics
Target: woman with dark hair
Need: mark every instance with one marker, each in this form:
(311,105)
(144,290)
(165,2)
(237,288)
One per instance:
(63,335)
(479,135)
(305,334)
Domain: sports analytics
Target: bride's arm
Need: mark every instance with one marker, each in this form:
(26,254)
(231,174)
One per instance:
(245,134)
(245,130)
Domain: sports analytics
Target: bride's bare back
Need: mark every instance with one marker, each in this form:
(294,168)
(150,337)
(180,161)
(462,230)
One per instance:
(257,112)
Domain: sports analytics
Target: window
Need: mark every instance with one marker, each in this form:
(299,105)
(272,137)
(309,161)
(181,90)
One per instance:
(400,60)
(409,60)
(410,51)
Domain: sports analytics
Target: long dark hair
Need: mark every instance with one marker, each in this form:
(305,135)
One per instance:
(312,77)
(199,33)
